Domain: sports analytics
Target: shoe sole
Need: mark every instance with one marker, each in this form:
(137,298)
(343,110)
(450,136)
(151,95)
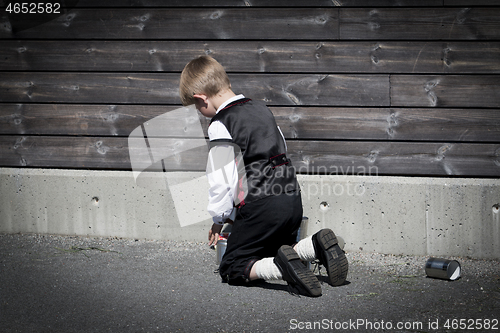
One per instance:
(336,265)
(296,273)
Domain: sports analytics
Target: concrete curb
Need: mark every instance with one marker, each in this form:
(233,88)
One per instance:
(394,215)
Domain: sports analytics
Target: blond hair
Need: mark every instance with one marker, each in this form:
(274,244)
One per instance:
(203,75)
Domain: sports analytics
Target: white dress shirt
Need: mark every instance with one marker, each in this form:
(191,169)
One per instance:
(222,172)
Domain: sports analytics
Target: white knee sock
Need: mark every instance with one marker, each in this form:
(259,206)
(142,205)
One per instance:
(305,249)
(266,269)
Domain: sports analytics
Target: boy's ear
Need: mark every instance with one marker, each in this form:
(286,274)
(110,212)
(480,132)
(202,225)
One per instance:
(203,97)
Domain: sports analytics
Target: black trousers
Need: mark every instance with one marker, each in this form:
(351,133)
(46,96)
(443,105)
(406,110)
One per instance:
(259,230)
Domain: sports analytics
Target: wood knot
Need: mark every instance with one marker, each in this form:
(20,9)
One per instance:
(101,148)
(19,142)
(372,157)
(68,19)
(7,26)
(461,17)
(429,89)
(293,98)
(294,118)
(321,19)
(442,151)
(429,85)
(392,122)
(145,17)
(445,59)
(216,15)
(373,26)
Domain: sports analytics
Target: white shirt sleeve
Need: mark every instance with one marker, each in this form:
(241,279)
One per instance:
(222,175)
(284,140)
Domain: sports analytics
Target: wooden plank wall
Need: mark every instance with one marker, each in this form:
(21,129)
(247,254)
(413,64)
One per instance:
(387,87)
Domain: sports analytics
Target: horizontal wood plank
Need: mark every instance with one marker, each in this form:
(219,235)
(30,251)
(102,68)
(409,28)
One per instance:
(313,157)
(274,89)
(64,152)
(161,88)
(471,3)
(305,123)
(264,3)
(247,3)
(256,23)
(76,119)
(445,91)
(420,23)
(260,56)
(396,158)
(390,124)
(89,153)
(180,24)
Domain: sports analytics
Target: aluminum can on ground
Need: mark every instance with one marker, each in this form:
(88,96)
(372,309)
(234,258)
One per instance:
(442,268)
(221,249)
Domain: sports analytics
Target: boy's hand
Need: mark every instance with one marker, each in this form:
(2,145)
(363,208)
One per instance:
(213,234)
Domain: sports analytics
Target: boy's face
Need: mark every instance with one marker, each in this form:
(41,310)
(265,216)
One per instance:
(204,105)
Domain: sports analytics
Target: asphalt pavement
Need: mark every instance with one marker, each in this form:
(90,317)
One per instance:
(76,284)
